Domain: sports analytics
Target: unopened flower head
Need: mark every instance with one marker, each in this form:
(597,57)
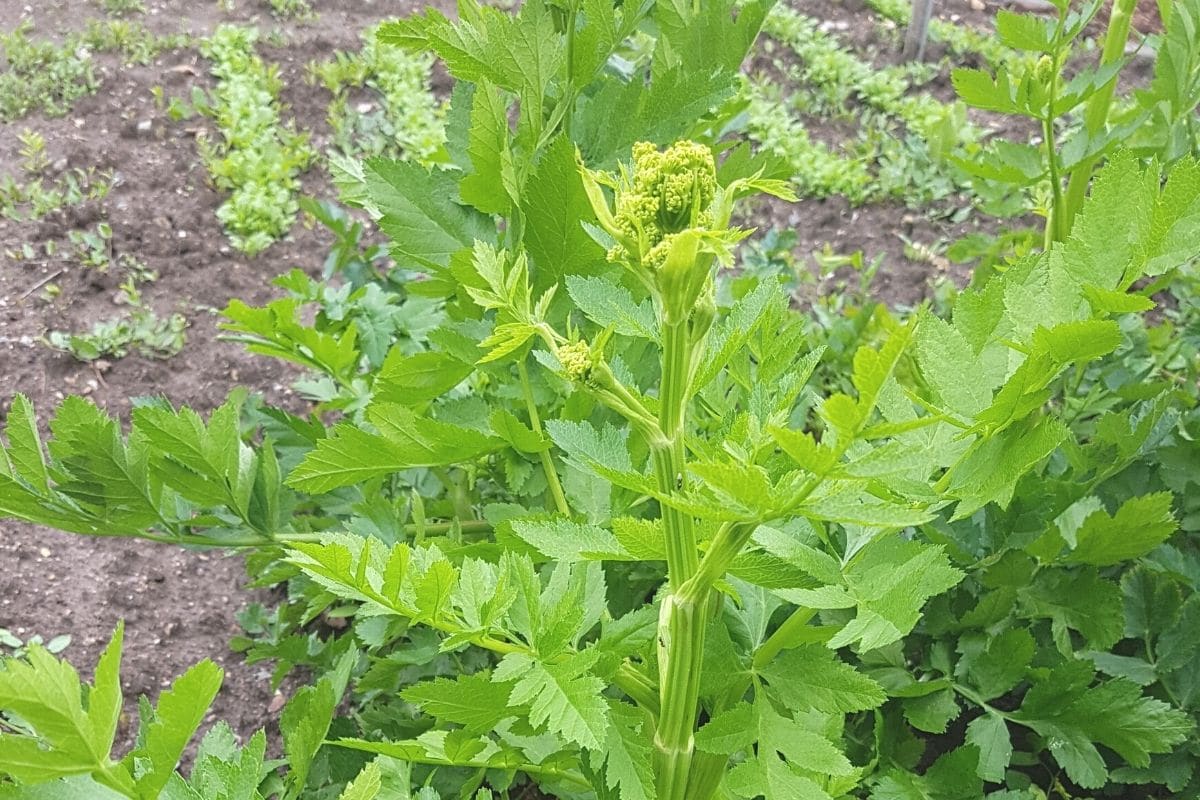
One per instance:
(670,190)
(576,360)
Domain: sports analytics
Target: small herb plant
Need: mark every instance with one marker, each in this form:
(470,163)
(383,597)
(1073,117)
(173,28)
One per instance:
(1061,167)
(599,518)
(258,158)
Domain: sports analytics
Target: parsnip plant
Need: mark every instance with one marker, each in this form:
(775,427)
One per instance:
(614,525)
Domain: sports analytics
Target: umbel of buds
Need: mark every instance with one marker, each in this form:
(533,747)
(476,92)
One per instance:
(669,220)
(576,360)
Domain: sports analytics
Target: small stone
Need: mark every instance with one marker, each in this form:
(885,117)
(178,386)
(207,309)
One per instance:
(978,5)
(145,126)
(44,552)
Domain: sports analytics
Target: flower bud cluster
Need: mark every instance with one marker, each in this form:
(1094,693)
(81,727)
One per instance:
(669,191)
(576,360)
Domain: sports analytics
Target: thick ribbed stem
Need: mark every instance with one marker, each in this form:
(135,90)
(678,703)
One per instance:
(680,654)
(682,621)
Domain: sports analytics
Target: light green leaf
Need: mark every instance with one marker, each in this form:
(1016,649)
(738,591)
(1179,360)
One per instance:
(406,439)
(473,701)
(626,754)
(813,677)
(24,445)
(1140,525)
(990,734)
(419,213)
(177,716)
(492,185)
(561,697)
(366,786)
(554,234)
(612,306)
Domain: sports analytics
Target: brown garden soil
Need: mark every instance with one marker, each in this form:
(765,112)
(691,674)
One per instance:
(179,606)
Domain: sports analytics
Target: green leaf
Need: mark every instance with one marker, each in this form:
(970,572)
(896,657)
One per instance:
(562,698)
(731,730)
(1115,714)
(933,712)
(418,378)
(492,185)
(46,694)
(474,701)
(1025,31)
(990,734)
(406,440)
(366,785)
(888,582)
(1140,525)
(1079,600)
(554,233)
(612,306)
(177,716)
(989,474)
(305,720)
(566,541)
(813,677)
(419,213)
(951,368)
(24,445)
(1000,666)
(626,754)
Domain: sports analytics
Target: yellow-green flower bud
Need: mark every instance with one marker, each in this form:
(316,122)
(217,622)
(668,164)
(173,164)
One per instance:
(682,180)
(576,360)
(1044,70)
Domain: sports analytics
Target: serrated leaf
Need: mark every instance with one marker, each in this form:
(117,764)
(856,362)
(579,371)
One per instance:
(177,716)
(626,756)
(25,446)
(612,306)
(730,731)
(554,233)
(990,734)
(1140,525)
(813,677)
(560,698)
(46,694)
(366,785)
(473,701)
(419,214)
(406,440)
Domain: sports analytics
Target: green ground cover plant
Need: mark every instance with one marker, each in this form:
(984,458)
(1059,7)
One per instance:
(409,121)
(258,158)
(905,138)
(599,513)
(41,75)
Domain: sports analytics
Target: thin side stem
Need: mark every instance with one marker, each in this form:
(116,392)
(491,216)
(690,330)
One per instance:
(778,641)
(535,422)
(1055,220)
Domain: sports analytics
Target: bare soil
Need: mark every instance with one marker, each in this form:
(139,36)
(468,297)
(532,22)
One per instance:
(179,606)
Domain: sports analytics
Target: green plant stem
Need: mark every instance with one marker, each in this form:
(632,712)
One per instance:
(1054,221)
(556,490)
(640,688)
(1096,114)
(782,637)
(669,455)
(572,21)
(682,618)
